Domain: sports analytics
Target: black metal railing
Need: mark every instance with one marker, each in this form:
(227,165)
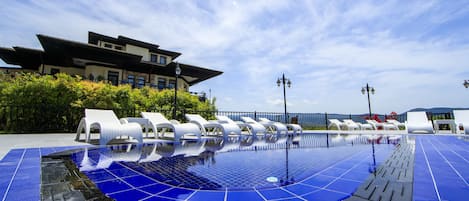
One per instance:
(49,118)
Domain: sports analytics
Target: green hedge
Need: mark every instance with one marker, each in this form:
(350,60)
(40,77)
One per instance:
(31,102)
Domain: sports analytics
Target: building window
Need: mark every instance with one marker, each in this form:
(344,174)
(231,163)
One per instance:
(131,80)
(172,84)
(153,58)
(162,60)
(161,83)
(54,71)
(107,45)
(113,77)
(140,82)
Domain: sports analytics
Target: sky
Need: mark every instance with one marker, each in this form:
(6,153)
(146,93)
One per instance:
(414,53)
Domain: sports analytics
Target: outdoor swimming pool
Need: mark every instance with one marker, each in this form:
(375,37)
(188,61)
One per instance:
(233,166)
(307,167)
(257,168)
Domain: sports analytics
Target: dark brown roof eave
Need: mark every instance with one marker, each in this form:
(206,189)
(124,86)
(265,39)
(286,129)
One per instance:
(201,73)
(201,80)
(66,50)
(27,58)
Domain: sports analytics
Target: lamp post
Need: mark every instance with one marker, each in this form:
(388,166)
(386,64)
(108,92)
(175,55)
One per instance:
(177,73)
(466,83)
(284,81)
(368,89)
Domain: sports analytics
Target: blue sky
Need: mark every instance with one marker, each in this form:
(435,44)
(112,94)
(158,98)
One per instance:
(415,53)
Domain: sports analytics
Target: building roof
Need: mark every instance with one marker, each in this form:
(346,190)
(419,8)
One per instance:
(66,53)
(94,38)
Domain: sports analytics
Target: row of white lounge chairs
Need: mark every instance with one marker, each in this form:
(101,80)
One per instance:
(349,124)
(111,127)
(417,122)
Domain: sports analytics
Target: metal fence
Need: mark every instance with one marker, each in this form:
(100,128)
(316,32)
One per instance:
(40,118)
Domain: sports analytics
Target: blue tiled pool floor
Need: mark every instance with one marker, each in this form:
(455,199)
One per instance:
(441,168)
(441,173)
(333,183)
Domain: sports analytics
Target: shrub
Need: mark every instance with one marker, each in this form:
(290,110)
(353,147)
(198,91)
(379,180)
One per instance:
(30,102)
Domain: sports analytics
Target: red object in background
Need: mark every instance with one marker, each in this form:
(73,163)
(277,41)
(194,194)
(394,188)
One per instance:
(374,117)
(392,115)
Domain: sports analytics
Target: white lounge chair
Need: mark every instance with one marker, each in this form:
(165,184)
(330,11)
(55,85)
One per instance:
(254,126)
(461,119)
(206,127)
(340,125)
(142,121)
(396,123)
(243,126)
(274,126)
(418,122)
(337,123)
(355,125)
(109,126)
(351,125)
(158,121)
(226,120)
(294,127)
(385,126)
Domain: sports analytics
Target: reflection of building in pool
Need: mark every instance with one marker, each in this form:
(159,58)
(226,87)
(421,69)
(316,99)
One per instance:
(118,60)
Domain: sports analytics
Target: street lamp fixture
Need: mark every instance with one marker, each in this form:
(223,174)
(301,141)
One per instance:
(466,83)
(284,81)
(177,73)
(367,89)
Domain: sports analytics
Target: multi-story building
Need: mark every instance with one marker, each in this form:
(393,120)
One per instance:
(118,60)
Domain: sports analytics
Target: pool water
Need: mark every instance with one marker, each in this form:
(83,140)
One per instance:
(440,169)
(336,163)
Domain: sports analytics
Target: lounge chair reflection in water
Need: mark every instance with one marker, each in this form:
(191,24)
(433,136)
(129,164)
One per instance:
(137,153)
(109,154)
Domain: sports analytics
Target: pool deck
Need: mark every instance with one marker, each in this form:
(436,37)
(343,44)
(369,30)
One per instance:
(16,141)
